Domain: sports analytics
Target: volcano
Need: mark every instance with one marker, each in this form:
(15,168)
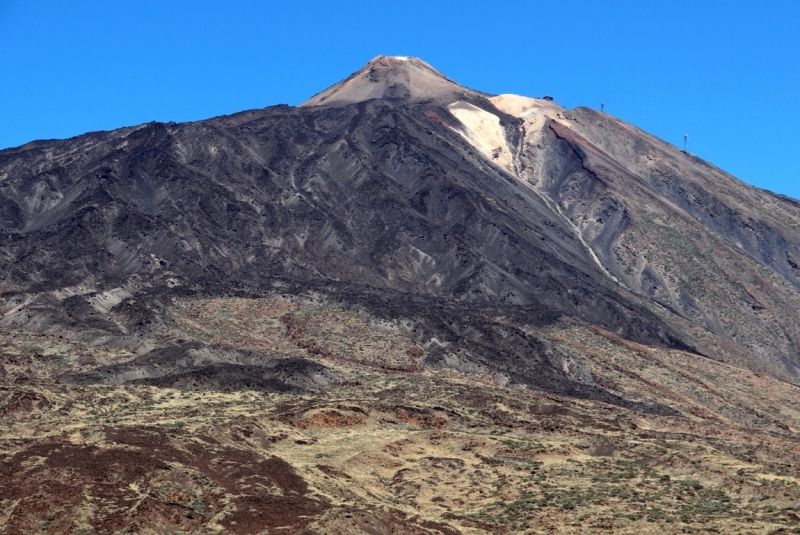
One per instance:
(397,77)
(398,182)
(403,306)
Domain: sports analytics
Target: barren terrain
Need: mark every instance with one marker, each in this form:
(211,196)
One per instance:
(402,307)
(390,447)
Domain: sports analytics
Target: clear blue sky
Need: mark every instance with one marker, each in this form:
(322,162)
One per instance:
(726,73)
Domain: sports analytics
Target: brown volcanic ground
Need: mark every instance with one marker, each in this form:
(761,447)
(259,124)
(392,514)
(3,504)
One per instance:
(403,307)
(389,446)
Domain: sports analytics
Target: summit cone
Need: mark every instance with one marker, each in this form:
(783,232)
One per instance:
(392,77)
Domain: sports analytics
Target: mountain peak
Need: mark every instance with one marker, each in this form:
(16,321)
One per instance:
(390,77)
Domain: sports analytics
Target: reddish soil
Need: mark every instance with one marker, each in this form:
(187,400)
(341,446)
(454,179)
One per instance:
(421,417)
(21,402)
(177,485)
(336,419)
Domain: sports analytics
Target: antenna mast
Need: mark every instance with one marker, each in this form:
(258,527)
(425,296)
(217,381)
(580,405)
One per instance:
(602,107)
(685,142)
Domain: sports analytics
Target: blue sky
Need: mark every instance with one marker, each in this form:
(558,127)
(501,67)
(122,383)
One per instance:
(726,73)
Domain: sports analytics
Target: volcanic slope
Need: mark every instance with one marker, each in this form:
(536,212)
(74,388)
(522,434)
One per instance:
(399,179)
(366,262)
(382,444)
(381,197)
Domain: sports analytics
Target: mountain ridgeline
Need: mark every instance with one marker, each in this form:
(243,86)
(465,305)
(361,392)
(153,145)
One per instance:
(472,222)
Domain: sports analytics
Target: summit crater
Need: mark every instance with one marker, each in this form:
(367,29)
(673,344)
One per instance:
(395,77)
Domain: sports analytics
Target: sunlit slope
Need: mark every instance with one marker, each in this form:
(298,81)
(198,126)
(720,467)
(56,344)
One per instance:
(714,255)
(389,447)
